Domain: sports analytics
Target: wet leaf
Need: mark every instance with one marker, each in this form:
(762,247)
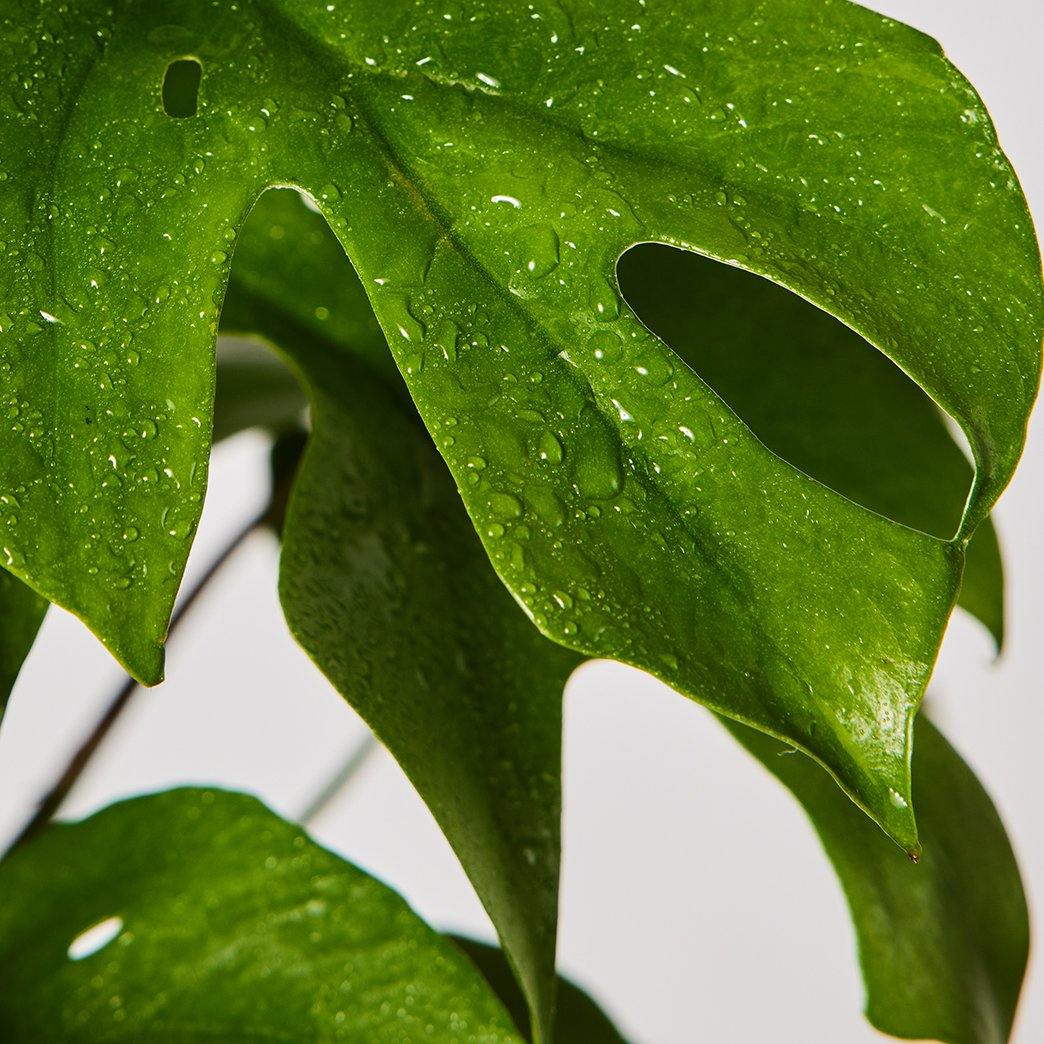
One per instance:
(817,394)
(484,174)
(384,583)
(197,915)
(943,944)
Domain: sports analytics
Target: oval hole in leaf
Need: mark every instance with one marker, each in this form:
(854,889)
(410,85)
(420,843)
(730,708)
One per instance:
(95,938)
(810,388)
(181,88)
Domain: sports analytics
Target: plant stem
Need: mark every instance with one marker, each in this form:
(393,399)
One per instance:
(349,768)
(79,761)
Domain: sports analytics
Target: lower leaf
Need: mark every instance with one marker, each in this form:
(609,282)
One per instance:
(200,916)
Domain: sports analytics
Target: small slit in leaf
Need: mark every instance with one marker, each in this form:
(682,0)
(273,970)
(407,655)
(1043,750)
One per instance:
(181,88)
(95,938)
(811,389)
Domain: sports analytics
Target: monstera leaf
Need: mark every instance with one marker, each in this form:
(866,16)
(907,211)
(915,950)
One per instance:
(577,1017)
(943,943)
(814,392)
(485,171)
(21,613)
(197,915)
(384,583)
(200,915)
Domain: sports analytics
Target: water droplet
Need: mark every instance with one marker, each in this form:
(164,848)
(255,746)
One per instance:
(180,529)
(604,300)
(549,448)
(654,366)
(605,346)
(447,339)
(539,246)
(597,469)
(505,506)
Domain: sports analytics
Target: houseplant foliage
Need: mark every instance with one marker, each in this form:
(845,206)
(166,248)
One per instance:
(768,545)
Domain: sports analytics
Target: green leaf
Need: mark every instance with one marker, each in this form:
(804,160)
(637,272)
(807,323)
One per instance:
(910,935)
(233,926)
(943,944)
(254,389)
(818,395)
(485,173)
(385,585)
(828,403)
(21,613)
(578,1019)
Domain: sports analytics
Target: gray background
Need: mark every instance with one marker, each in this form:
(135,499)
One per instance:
(696,902)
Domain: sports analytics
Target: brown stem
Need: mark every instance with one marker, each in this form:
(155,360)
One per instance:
(52,800)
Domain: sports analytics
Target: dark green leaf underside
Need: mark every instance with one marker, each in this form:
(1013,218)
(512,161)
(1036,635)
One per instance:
(21,613)
(384,584)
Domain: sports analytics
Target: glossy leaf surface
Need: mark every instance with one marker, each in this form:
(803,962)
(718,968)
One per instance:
(923,960)
(485,173)
(384,583)
(943,944)
(230,924)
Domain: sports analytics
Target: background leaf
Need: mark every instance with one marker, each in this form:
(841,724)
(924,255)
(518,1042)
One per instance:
(254,389)
(21,613)
(234,926)
(943,945)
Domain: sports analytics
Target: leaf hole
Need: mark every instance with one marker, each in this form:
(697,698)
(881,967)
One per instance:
(95,938)
(810,388)
(181,88)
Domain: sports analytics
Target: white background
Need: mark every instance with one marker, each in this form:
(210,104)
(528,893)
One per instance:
(696,902)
